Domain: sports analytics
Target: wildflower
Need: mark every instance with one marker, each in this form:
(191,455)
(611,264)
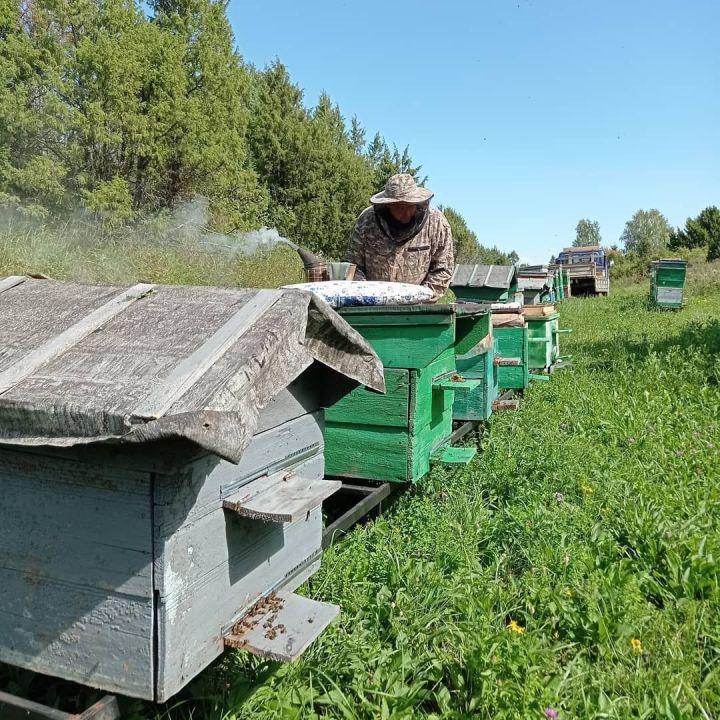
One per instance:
(567,592)
(587,489)
(636,645)
(631,441)
(679,453)
(559,497)
(551,713)
(515,628)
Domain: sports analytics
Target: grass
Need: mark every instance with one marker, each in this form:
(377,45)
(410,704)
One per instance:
(572,565)
(88,253)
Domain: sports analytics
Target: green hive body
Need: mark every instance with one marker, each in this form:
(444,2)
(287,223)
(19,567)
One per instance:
(393,437)
(667,281)
(475,360)
(511,341)
(544,338)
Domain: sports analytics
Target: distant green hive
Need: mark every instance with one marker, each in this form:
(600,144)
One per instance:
(667,283)
(543,323)
(511,341)
(395,437)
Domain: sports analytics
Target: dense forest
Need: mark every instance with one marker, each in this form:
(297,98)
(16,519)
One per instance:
(124,110)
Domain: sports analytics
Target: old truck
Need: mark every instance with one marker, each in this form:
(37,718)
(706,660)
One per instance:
(589,269)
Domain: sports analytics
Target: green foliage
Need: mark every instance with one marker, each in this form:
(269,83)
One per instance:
(105,108)
(646,233)
(587,232)
(386,162)
(467,246)
(701,231)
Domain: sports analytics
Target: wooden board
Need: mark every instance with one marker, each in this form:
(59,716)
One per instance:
(404,339)
(365,407)
(454,455)
(247,560)
(540,342)
(284,497)
(512,342)
(370,452)
(76,593)
(282,626)
(59,344)
(192,367)
(7,283)
(477,404)
(380,444)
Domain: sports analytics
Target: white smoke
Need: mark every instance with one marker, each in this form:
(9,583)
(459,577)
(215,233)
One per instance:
(188,223)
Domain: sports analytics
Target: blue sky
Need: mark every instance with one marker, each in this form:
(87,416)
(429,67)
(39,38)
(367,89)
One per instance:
(526,115)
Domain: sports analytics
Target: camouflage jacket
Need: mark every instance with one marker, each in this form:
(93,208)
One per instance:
(426,259)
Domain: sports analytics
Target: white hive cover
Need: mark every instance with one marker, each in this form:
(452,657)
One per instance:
(346,293)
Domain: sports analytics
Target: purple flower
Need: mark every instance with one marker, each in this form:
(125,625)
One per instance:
(559,497)
(551,713)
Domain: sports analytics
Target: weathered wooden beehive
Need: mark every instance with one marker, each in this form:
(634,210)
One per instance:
(484,283)
(543,323)
(537,284)
(667,283)
(476,361)
(394,437)
(511,342)
(161,469)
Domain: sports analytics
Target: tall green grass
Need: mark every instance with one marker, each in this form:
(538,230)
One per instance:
(573,566)
(89,254)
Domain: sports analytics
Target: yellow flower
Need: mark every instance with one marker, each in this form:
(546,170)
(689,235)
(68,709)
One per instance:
(515,628)
(636,645)
(587,489)
(567,592)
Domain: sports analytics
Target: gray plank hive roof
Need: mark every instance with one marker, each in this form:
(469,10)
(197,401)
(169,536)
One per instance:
(88,363)
(493,276)
(533,283)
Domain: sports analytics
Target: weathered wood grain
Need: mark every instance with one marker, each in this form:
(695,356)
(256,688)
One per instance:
(71,336)
(7,283)
(252,559)
(77,633)
(365,407)
(185,496)
(68,523)
(194,366)
(282,629)
(89,392)
(284,497)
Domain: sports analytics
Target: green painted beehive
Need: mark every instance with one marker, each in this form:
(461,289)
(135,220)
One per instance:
(511,341)
(667,283)
(543,341)
(393,437)
(475,360)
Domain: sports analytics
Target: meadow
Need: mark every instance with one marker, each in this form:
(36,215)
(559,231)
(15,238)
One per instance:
(570,571)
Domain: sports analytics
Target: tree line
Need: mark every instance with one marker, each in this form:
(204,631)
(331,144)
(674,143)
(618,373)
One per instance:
(127,109)
(648,234)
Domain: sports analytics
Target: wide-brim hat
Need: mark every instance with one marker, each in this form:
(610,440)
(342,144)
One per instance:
(401,188)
